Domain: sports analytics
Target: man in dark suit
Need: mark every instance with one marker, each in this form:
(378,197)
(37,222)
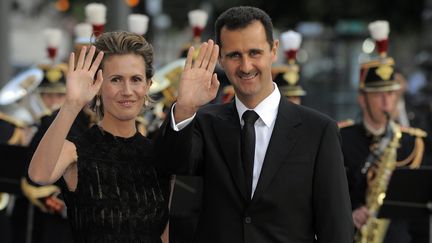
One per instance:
(296,189)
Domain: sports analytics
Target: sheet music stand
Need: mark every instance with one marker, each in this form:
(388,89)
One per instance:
(13,162)
(409,195)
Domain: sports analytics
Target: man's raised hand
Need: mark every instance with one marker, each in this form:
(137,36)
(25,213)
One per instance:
(198,84)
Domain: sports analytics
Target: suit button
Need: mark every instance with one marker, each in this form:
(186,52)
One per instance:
(248,220)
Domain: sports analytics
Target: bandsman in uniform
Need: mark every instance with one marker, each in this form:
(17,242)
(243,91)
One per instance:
(47,213)
(96,16)
(16,131)
(12,132)
(52,90)
(287,76)
(50,212)
(197,21)
(31,107)
(368,143)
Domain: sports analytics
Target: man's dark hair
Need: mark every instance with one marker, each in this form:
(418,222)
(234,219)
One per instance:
(240,17)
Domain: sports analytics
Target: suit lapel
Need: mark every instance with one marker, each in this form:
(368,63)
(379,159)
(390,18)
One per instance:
(283,139)
(229,140)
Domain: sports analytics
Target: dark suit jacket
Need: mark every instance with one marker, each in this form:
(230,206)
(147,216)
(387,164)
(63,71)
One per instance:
(302,189)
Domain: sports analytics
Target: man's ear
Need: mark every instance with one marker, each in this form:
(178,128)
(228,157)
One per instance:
(275,49)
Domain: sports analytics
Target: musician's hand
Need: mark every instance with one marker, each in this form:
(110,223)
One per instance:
(54,204)
(37,194)
(360,216)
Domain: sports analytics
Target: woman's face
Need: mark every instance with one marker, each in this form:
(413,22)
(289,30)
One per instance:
(124,87)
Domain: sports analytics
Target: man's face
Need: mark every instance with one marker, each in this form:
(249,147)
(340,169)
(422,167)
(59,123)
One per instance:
(247,59)
(53,101)
(374,105)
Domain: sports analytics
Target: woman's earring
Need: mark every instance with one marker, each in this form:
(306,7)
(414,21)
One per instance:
(146,102)
(98,103)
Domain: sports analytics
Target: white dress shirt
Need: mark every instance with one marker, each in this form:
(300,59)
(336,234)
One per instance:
(267,111)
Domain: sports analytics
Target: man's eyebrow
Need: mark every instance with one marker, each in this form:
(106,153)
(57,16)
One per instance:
(232,53)
(256,50)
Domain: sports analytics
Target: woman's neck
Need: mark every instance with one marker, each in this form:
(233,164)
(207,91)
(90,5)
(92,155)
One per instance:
(118,128)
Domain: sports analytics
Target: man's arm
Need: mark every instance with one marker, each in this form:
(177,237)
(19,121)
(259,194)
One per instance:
(331,202)
(177,148)
(173,148)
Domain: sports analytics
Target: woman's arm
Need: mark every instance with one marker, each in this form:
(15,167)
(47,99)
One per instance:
(54,153)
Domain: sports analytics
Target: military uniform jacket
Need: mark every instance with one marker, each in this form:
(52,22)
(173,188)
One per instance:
(302,189)
(12,131)
(356,145)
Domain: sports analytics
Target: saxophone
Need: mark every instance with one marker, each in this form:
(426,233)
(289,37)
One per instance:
(378,177)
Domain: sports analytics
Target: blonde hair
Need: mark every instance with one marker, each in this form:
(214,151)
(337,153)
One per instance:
(122,43)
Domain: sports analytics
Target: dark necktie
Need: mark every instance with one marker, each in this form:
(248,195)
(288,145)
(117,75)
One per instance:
(248,147)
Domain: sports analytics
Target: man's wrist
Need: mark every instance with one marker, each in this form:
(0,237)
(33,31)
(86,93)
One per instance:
(183,112)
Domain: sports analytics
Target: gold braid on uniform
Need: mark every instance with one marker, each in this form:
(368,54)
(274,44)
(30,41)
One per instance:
(169,96)
(416,156)
(345,123)
(34,193)
(141,125)
(11,120)
(18,136)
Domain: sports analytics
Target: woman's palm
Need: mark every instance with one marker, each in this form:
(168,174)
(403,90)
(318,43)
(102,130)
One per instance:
(81,86)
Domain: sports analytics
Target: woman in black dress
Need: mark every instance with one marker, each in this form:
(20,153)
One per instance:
(111,187)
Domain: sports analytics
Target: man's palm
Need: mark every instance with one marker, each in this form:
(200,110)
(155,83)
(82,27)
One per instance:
(198,85)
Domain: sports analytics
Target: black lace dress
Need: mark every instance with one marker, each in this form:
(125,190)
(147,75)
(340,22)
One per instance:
(119,195)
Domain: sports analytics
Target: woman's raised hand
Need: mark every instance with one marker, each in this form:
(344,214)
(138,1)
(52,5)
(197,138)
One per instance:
(199,84)
(81,86)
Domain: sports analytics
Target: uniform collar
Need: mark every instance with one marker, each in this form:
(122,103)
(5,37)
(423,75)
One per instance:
(373,131)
